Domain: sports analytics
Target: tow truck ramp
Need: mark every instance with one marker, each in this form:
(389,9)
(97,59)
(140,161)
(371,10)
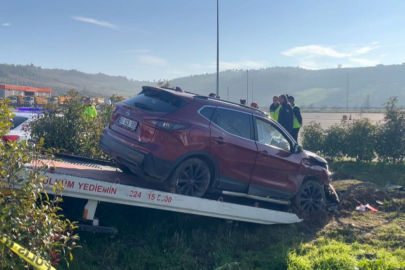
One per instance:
(98,183)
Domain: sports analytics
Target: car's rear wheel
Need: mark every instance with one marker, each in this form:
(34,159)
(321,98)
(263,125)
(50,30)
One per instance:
(124,168)
(191,178)
(310,198)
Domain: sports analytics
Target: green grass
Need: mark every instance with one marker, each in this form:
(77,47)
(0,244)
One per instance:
(154,239)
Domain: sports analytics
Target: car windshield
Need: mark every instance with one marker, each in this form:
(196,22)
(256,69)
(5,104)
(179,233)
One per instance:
(27,98)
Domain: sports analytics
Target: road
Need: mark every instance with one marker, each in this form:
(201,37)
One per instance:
(328,119)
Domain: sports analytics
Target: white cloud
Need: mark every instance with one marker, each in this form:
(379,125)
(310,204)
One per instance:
(306,56)
(96,22)
(149,60)
(6,24)
(314,50)
(137,51)
(365,49)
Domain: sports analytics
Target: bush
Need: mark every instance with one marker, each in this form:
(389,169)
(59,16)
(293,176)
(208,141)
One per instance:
(335,142)
(28,216)
(313,137)
(390,137)
(360,138)
(67,128)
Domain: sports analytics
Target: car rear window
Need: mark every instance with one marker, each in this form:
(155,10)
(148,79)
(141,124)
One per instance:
(207,112)
(18,120)
(155,101)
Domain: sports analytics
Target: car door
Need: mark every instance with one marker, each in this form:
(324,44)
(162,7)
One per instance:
(276,172)
(232,145)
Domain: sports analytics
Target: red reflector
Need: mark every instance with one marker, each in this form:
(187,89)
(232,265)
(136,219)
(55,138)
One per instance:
(12,138)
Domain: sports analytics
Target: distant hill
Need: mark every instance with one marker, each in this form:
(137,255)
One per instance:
(62,80)
(317,87)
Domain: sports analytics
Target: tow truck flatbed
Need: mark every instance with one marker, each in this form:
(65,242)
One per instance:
(100,183)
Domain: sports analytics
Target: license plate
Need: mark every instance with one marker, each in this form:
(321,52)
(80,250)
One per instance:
(131,124)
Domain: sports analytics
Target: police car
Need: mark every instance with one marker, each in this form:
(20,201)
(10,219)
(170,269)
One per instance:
(20,121)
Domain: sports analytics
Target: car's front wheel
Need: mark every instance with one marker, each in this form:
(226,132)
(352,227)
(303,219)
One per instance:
(310,198)
(191,178)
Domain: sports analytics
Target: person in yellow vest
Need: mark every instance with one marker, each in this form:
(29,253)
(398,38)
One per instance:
(90,111)
(275,109)
(297,118)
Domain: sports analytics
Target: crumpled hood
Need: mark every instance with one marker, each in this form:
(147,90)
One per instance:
(315,156)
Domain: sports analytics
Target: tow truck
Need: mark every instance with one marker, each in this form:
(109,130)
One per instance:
(102,182)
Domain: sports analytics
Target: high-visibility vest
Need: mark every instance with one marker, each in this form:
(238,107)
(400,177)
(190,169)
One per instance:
(296,123)
(90,111)
(274,115)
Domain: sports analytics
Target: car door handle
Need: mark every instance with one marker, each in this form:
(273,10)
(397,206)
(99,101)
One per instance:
(219,140)
(264,153)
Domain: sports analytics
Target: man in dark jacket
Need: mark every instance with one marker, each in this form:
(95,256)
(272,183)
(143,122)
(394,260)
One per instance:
(286,115)
(297,118)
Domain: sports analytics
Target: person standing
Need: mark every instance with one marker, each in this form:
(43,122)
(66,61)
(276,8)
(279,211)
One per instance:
(297,118)
(286,115)
(90,111)
(275,108)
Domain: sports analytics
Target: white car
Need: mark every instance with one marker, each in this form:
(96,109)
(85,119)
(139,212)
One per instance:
(19,130)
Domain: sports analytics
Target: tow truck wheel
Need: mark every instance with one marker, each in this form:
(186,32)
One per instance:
(310,198)
(191,178)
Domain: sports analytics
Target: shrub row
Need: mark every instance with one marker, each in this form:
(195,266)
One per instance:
(67,129)
(361,139)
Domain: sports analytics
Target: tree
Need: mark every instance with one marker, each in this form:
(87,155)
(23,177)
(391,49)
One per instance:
(68,129)
(335,142)
(115,98)
(29,216)
(391,134)
(313,137)
(360,139)
(163,83)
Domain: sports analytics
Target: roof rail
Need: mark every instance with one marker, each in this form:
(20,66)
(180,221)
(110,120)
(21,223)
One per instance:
(230,102)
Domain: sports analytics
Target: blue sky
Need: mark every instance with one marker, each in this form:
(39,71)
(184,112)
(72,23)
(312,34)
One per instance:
(161,39)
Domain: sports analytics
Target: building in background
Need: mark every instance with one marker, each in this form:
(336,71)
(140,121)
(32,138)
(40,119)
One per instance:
(26,91)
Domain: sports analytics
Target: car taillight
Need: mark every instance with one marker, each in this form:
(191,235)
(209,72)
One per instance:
(165,124)
(12,138)
(114,112)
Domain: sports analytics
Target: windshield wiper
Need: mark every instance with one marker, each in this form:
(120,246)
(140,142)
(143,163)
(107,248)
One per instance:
(143,106)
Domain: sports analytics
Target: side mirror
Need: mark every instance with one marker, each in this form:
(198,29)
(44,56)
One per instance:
(297,148)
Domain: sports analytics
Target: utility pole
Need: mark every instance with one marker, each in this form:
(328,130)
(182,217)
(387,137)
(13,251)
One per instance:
(252,90)
(347,90)
(227,93)
(247,87)
(368,102)
(217,47)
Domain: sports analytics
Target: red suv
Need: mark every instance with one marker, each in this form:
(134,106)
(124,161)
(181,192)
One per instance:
(195,143)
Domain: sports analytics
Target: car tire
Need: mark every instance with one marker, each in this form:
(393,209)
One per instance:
(191,177)
(124,168)
(310,198)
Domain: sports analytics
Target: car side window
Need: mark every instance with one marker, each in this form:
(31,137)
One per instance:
(234,122)
(269,135)
(207,112)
